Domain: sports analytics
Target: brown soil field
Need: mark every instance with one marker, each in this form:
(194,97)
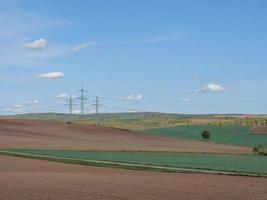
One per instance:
(261,130)
(29,179)
(41,134)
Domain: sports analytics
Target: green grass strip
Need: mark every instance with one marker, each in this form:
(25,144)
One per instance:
(54,155)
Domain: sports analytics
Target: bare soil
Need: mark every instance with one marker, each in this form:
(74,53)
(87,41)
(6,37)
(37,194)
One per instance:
(260,130)
(41,134)
(23,178)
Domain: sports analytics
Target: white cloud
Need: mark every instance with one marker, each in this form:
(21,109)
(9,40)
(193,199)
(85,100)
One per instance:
(17,28)
(28,103)
(85,45)
(185,100)
(51,75)
(211,87)
(16,106)
(37,44)
(161,39)
(62,96)
(13,110)
(22,107)
(195,77)
(77,111)
(134,97)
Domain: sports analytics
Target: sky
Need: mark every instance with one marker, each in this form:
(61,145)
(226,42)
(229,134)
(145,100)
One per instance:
(176,56)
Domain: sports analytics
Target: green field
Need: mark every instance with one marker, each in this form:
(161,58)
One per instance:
(235,135)
(231,163)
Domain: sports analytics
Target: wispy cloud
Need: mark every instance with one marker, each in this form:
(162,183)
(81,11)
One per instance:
(185,100)
(22,107)
(90,44)
(62,96)
(13,110)
(16,28)
(29,103)
(17,106)
(37,44)
(51,75)
(134,97)
(160,39)
(195,77)
(76,111)
(211,87)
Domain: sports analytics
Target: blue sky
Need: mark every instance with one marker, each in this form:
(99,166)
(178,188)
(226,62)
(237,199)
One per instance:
(168,56)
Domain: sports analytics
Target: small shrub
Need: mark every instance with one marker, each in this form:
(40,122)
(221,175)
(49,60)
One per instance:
(255,150)
(205,134)
(69,122)
(259,150)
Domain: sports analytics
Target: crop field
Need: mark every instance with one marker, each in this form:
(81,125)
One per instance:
(219,162)
(233,135)
(99,151)
(31,179)
(259,130)
(43,134)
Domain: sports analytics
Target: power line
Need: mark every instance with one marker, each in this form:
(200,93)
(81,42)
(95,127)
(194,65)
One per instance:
(70,104)
(82,99)
(96,103)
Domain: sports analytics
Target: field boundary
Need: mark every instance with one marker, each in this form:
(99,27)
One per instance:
(124,165)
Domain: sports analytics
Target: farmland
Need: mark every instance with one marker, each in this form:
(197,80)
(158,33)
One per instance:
(213,162)
(234,135)
(30,179)
(133,100)
(152,148)
(45,134)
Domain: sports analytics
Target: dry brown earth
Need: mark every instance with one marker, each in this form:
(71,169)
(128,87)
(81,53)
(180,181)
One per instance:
(23,178)
(261,130)
(41,134)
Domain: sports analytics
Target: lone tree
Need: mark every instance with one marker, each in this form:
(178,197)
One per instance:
(205,134)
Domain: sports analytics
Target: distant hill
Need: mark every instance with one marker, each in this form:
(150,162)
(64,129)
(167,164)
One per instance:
(145,120)
(119,116)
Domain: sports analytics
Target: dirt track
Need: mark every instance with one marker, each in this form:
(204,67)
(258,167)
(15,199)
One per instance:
(23,178)
(58,135)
